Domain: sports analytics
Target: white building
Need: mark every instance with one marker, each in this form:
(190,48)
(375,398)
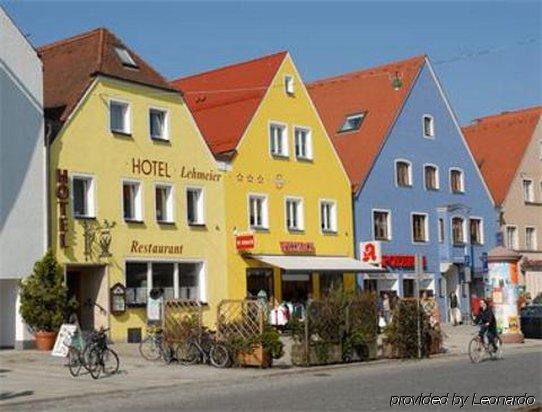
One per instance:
(22,174)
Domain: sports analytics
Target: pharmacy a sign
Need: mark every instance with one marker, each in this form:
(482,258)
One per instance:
(371,253)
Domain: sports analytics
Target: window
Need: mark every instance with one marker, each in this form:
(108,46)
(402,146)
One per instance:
(408,288)
(530,238)
(328,216)
(419,227)
(132,204)
(158,124)
(257,205)
(352,122)
(289,84)
(258,281)
(476,231)
(83,196)
(125,57)
(303,143)
(441,230)
(458,231)
(528,190)
(189,281)
(294,214)
(194,206)
(278,140)
(163,278)
(540,149)
(431,177)
(164,203)
(119,117)
(403,173)
(428,126)
(136,283)
(330,281)
(511,237)
(456,181)
(381,225)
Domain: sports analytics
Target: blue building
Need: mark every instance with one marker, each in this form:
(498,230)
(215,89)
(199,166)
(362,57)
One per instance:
(416,187)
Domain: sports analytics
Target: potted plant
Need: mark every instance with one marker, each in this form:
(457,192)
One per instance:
(44,301)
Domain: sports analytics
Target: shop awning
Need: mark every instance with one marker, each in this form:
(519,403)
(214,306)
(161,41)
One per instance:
(316,263)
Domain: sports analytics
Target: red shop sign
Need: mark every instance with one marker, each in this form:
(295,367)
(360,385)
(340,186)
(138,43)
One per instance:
(301,248)
(245,241)
(401,261)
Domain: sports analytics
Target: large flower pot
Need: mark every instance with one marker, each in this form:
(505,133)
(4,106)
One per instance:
(45,340)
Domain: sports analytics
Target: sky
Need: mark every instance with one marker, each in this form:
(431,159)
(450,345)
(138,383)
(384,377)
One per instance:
(488,55)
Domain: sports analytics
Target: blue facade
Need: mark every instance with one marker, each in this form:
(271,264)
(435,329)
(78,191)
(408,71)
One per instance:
(445,150)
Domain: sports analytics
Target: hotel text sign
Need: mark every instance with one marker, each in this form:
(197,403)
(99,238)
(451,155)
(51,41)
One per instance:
(63,196)
(160,168)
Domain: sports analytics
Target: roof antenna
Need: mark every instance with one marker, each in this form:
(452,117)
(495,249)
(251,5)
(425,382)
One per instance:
(397,83)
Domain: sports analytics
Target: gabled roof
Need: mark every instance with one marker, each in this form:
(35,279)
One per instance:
(70,66)
(370,91)
(223,101)
(498,143)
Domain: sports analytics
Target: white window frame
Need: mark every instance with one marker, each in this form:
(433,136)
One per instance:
(457,169)
(127,116)
(482,230)
(528,197)
(165,137)
(432,127)
(289,84)
(200,206)
(535,238)
(426,229)
(441,233)
(437,177)
(334,216)
(285,146)
(265,211)
(125,57)
(395,174)
(308,130)
(300,213)
(347,118)
(515,246)
(170,203)
(389,220)
(91,195)
(463,229)
(138,200)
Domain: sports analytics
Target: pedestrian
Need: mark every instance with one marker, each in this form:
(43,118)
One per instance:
(386,308)
(455,314)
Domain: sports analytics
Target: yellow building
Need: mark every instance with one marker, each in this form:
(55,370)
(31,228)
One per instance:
(136,198)
(287,197)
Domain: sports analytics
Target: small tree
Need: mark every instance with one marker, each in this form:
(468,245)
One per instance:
(44,300)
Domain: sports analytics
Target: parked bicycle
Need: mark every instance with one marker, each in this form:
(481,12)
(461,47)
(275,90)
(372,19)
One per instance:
(100,358)
(479,348)
(76,353)
(203,348)
(154,346)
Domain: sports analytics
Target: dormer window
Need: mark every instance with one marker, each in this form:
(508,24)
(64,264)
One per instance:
(125,57)
(352,122)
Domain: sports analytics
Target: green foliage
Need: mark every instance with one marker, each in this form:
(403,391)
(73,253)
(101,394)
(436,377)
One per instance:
(271,343)
(44,301)
(269,340)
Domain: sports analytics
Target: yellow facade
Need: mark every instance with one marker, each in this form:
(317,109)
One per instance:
(255,171)
(86,146)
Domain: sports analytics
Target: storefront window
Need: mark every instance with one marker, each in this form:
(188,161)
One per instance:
(329,281)
(189,274)
(162,278)
(258,280)
(408,288)
(136,283)
(370,285)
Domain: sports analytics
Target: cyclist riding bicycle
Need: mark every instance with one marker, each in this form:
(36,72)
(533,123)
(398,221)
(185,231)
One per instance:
(488,324)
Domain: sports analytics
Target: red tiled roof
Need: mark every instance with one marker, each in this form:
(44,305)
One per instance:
(224,100)
(498,143)
(70,65)
(369,91)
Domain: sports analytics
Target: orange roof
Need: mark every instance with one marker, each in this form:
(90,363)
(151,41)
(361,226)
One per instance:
(224,100)
(70,65)
(498,143)
(370,91)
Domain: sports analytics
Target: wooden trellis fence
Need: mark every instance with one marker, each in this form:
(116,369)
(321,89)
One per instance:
(243,319)
(181,318)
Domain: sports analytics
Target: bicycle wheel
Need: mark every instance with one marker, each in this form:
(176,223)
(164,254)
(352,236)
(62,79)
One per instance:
(110,362)
(188,353)
(75,362)
(497,354)
(476,350)
(219,355)
(94,362)
(149,348)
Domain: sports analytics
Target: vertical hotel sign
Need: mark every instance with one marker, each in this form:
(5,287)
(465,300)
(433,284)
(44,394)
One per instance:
(63,196)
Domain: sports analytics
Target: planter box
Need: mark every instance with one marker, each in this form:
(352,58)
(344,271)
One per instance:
(258,357)
(299,358)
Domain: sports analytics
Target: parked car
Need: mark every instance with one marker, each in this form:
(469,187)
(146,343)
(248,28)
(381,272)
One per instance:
(531,321)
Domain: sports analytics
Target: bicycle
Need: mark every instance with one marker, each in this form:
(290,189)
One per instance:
(479,347)
(204,349)
(155,346)
(76,354)
(100,357)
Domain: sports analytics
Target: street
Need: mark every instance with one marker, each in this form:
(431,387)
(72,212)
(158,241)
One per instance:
(365,386)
